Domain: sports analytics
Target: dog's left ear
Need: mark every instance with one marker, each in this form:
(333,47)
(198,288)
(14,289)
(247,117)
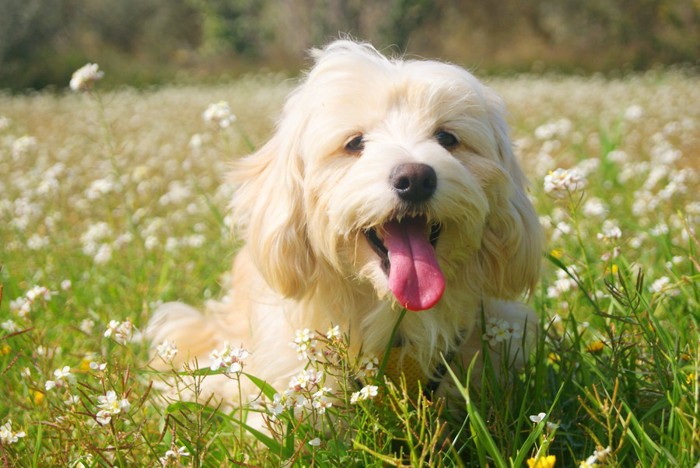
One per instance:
(511,247)
(268,209)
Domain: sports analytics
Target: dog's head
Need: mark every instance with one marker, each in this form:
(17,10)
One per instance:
(390,172)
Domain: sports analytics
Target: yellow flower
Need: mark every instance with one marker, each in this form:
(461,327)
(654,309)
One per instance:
(553,358)
(38,397)
(5,349)
(557,253)
(546,461)
(595,346)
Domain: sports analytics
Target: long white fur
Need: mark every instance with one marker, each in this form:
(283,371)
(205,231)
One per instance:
(302,204)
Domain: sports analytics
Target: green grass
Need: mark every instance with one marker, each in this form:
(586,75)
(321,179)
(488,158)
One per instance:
(115,196)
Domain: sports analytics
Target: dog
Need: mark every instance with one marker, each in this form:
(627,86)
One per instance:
(388,184)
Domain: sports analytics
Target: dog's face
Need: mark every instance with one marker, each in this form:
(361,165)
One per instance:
(395,173)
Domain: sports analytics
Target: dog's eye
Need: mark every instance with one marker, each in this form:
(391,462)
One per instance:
(446,139)
(355,145)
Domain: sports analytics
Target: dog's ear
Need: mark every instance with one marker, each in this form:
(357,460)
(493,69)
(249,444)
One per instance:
(511,247)
(268,209)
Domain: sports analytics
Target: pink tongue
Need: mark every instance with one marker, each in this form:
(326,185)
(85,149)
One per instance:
(415,277)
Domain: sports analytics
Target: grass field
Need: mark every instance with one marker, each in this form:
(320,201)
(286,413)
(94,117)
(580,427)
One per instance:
(113,202)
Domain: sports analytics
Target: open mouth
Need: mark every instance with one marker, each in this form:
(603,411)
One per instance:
(407,253)
(380,249)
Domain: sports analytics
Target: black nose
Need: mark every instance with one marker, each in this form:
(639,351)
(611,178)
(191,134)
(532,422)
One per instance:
(413,182)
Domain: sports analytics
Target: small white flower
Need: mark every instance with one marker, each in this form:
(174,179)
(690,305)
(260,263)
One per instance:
(9,326)
(537,418)
(634,113)
(220,114)
(366,393)
(315,442)
(230,358)
(63,373)
(22,146)
(85,77)
(86,326)
(369,366)
(66,285)
(562,182)
(7,435)
(109,405)
(334,333)
(167,350)
(610,231)
(103,417)
(306,345)
(499,330)
(49,385)
(121,332)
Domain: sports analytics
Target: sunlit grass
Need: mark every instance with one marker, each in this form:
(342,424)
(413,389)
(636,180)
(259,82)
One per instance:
(114,202)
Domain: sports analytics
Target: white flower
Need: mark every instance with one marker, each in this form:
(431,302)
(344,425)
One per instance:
(109,405)
(7,435)
(173,455)
(369,366)
(229,358)
(167,350)
(315,442)
(60,377)
(62,374)
(598,456)
(220,114)
(634,113)
(366,393)
(103,255)
(610,231)
(334,333)
(85,77)
(663,286)
(9,326)
(121,332)
(561,182)
(66,285)
(306,345)
(537,418)
(498,330)
(22,146)
(103,417)
(86,326)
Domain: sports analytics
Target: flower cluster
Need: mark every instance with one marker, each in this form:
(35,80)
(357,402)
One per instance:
(167,351)
(61,376)
(121,332)
(306,391)
(306,345)
(7,435)
(84,78)
(220,114)
(499,330)
(367,392)
(172,457)
(109,405)
(599,455)
(562,182)
(22,306)
(231,359)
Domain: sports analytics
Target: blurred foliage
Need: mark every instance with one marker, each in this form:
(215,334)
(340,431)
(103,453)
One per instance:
(144,42)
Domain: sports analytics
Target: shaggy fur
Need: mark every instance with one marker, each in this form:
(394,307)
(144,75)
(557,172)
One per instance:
(305,201)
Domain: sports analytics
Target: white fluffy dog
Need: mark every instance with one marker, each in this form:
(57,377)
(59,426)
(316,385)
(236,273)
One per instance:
(387,184)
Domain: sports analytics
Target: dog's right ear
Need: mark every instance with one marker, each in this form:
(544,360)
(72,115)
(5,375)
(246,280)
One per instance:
(268,209)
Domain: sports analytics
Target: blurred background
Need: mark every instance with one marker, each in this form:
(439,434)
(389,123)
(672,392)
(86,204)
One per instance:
(150,42)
